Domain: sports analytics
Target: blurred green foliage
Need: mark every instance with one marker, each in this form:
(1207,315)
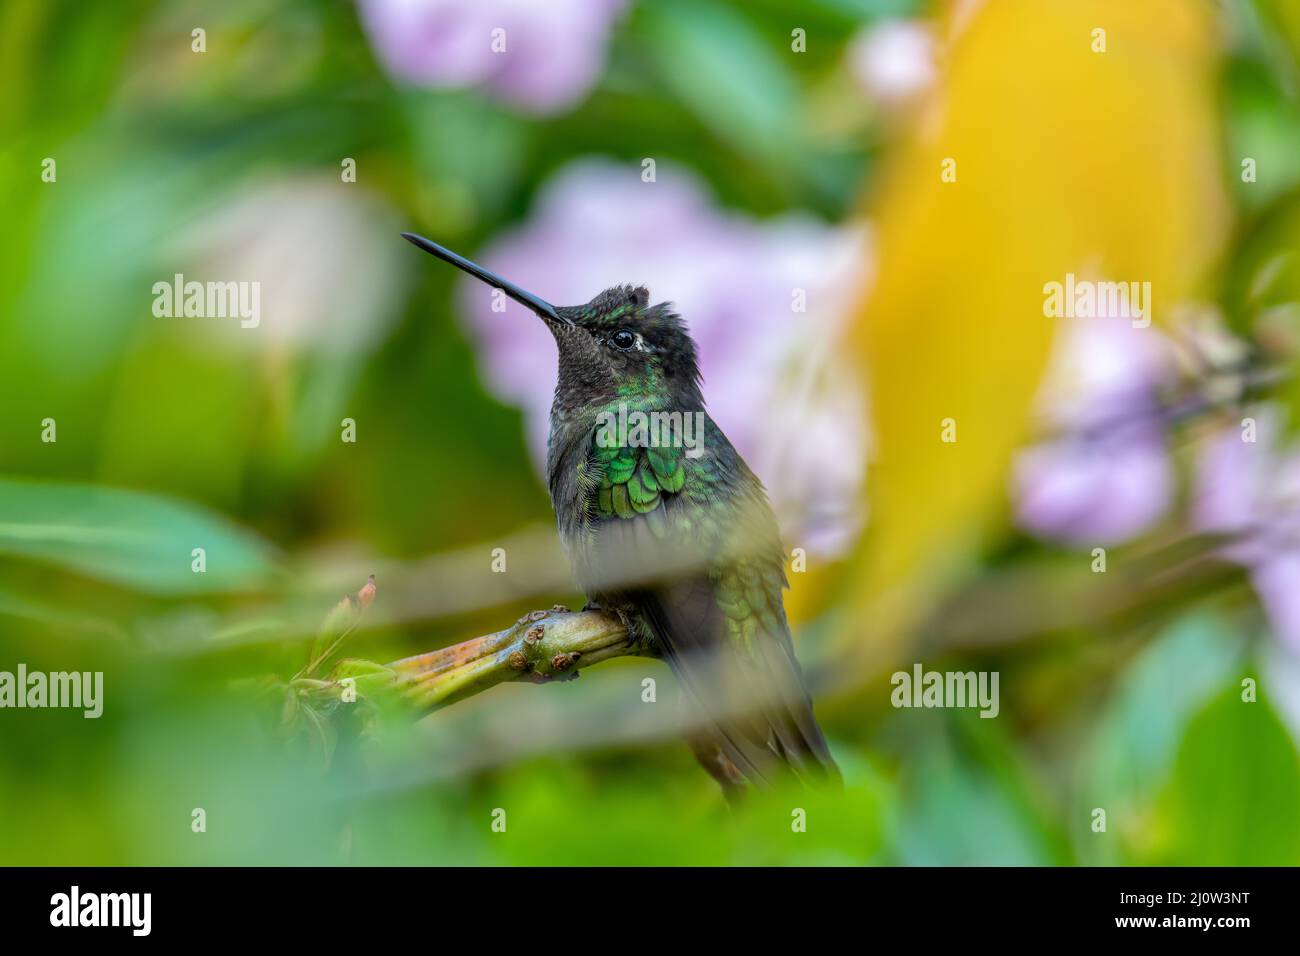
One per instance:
(166,437)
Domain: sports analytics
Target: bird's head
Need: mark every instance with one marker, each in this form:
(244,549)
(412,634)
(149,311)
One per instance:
(615,347)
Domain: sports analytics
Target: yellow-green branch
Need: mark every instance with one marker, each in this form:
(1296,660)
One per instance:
(540,647)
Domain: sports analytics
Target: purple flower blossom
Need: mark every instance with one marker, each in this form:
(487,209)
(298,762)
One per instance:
(1108,477)
(542,57)
(770,376)
(1251,491)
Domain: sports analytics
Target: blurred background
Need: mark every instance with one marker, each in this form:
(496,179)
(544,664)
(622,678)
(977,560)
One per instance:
(857,205)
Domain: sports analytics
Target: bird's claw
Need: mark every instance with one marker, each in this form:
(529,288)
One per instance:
(623,618)
(627,624)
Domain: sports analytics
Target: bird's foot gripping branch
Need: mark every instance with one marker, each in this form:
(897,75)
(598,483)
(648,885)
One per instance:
(541,647)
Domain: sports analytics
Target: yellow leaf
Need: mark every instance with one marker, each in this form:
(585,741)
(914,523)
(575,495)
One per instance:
(1068,151)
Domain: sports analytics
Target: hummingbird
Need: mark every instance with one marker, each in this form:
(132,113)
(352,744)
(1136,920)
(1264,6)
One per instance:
(665,525)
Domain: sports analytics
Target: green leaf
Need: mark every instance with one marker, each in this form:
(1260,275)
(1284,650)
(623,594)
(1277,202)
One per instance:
(969,797)
(68,620)
(370,677)
(1262,295)
(1283,17)
(720,66)
(139,541)
(1234,798)
(1136,740)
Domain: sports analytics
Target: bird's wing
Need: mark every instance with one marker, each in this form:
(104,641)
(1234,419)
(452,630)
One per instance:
(697,551)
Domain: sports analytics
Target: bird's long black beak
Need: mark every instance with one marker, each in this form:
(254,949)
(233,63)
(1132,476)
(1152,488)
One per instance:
(538,305)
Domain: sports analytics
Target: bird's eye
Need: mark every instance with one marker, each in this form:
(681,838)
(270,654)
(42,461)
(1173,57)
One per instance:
(622,340)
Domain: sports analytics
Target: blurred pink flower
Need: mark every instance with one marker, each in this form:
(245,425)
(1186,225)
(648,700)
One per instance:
(1251,491)
(553,52)
(1108,476)
(771,378)
(893,60)
(1086,491)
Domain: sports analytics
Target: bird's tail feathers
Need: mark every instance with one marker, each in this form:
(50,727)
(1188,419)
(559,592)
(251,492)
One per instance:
(754,704)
